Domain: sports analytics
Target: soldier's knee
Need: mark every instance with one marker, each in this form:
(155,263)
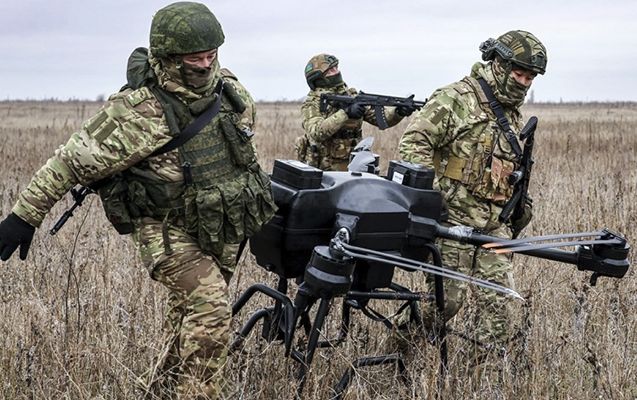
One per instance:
(454,298)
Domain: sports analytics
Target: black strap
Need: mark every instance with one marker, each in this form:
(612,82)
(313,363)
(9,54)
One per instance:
(195,126)
(503,122)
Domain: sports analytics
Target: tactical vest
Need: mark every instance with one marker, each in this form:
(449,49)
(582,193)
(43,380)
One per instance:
(485,171)
(332,154)
(225,196)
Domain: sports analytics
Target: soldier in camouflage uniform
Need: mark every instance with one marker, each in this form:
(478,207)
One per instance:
(188,208)
(330,137)
(456,133)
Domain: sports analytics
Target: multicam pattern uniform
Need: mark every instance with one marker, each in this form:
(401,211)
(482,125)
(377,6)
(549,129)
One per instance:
(123,134)
(456,133)
(330,137)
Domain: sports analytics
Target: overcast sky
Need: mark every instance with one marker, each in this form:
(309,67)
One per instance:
(78,49)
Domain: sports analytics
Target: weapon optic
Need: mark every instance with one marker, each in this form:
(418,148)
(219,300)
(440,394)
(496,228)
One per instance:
(343,234)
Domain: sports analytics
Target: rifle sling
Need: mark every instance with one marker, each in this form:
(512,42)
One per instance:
(502,120)
(195,126)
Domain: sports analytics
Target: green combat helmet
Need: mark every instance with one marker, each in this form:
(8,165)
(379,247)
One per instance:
(184,28)
(316,67)
(519,48)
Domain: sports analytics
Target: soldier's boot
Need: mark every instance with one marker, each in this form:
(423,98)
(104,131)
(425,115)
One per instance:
(160,380)
(202,382)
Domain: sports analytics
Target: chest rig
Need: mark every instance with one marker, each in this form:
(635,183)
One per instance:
(342,143)
(224,196)
(484,156)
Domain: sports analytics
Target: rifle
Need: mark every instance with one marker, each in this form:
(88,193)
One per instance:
(514,208)
(78,196)
(378,101)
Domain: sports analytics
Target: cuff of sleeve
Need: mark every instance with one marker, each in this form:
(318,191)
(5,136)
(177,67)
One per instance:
(340,116)
(47,186)
(28,214)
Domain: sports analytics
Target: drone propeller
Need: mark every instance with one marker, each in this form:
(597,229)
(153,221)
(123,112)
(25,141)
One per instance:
(515,242)
(536,246)
(372,255)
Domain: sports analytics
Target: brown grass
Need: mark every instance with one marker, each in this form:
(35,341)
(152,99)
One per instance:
(81,319)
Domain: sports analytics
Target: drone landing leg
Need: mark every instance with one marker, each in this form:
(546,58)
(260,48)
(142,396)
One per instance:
(319,320)
(282,315)
(440,325)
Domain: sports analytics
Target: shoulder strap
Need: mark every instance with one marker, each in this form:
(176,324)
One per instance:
(195,126)
(503,122)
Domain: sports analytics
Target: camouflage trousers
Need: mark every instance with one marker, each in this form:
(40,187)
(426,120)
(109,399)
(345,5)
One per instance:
(490,314)
(489,317)
(197,325)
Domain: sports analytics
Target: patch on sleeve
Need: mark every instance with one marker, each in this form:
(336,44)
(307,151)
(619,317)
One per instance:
(138,96)
(440,114)
(96,121)
(100,126)
(101,134)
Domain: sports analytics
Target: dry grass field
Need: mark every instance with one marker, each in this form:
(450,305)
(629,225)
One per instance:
(80,319)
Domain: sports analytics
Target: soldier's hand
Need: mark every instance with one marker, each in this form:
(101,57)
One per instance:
(14,233)
(405,111)
(355,110)
(523,220)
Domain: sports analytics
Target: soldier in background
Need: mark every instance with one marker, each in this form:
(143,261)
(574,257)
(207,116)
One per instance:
(188,204)
(457,134)
(330,137)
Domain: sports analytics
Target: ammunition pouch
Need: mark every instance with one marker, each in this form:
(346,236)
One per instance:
(229,212)
(239,142)
(494,184)
(127,197)
(339,149)
(114,195)
(152,198)
(489,182)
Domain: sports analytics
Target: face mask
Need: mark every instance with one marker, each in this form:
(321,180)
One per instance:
(510,91)
(514,90)
(334,80)
(329,81)
(194,76)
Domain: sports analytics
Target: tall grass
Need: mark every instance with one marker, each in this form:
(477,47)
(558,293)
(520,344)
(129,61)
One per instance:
(80,319)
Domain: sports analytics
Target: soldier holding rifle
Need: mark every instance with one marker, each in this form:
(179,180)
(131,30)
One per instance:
(469,133)
(331,132)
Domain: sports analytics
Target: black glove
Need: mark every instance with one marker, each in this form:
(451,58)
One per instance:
(355,110)
(14,233)
(405,111)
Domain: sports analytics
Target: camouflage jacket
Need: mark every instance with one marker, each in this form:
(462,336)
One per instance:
(457,134)
(121,135)
(331,136)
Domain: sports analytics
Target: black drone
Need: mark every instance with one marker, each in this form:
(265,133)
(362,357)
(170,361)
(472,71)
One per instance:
(343,234)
